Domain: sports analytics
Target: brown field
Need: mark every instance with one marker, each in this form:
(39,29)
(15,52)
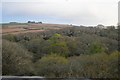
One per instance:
(30,28)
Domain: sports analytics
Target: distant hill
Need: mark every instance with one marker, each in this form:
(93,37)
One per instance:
(29,27)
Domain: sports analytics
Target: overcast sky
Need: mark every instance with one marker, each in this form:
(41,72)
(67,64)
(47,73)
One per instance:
(79,12)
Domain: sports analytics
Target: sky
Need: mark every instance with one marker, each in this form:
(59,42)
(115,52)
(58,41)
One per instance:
(78,12)
(119,13)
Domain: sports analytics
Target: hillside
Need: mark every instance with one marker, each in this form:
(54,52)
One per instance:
(60,51)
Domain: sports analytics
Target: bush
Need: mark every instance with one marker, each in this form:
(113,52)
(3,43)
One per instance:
(51,66)
(96,47)
(94,66)
(37,47)
(15,59)
(58,45)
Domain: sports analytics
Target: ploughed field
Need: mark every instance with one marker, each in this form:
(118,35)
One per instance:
(29,28)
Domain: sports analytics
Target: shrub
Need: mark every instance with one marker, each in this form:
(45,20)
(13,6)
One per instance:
(58,45)
(15,59)
(51,66)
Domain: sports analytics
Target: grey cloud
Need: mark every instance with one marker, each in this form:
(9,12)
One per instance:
(76,11)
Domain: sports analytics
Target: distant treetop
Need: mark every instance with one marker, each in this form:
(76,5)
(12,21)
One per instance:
(34,22)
